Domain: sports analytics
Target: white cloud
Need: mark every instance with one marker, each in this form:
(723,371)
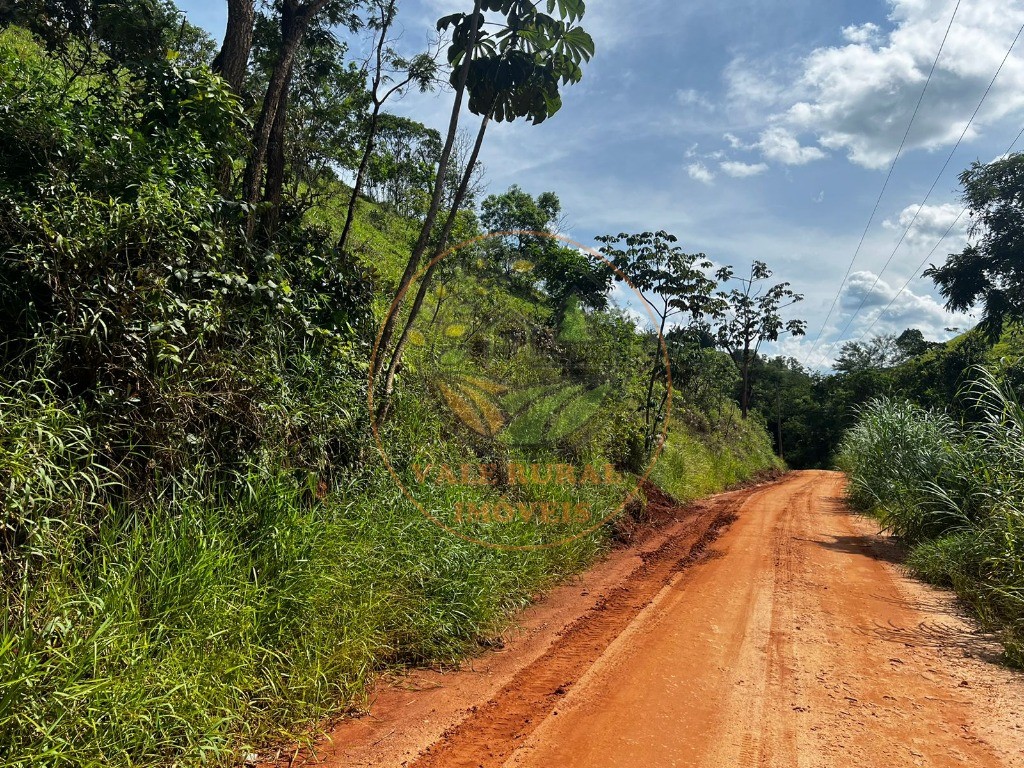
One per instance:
(752,89)
(700,172)
(734,141)
(862,34)
(691,97)
(908,310)
(931,222)
(914,307)
(779,144)
(742,170)
(859,97)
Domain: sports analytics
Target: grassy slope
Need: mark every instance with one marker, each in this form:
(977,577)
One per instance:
(697,463)
(208,627)
(698,459)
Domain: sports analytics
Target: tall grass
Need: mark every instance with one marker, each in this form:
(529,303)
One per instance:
(955,494)
(897,456)
(216,616)
(694,464)
(205,626)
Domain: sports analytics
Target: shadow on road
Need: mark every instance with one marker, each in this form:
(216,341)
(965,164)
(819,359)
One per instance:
(875,547)
(958,639)
(949,638)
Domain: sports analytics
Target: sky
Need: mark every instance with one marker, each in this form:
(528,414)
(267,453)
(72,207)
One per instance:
(766,130)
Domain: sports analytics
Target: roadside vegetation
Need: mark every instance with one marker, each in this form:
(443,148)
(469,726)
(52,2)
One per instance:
(202,550)
(936,450)
(954,493)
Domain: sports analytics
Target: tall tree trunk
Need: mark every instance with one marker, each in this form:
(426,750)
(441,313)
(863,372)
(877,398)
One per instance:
(745,394)
(357,185)
(387,332)
(295,19)
(650,415)
(233,59)
(778,420)
(387,17)
(274,190)
(421,294)
(232,62)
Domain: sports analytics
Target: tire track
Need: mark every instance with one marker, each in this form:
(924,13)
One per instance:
(492,732)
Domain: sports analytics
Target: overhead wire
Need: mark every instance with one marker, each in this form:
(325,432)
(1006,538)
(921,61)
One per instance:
(917,213)
(888,177)
(924,261)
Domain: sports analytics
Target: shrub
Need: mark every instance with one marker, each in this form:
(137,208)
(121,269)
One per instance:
(957,496)
(896,457)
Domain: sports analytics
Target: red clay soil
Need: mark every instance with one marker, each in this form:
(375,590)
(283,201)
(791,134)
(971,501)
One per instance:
(768,627)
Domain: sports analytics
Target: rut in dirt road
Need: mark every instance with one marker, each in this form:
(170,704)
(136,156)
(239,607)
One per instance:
(788,638)
(491,733)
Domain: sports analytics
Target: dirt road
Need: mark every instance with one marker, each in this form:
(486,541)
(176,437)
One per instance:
(769,627)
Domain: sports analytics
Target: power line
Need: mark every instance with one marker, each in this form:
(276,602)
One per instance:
(863,301)
(924,261)
(885,184)
(913,275)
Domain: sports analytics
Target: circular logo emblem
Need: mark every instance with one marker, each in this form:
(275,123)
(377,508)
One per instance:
(521,398)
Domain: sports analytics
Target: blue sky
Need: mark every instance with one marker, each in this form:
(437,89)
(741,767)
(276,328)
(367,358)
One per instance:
(764,130)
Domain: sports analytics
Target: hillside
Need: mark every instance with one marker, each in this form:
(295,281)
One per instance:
(211,541)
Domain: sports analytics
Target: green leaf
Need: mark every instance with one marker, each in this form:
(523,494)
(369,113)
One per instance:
(446,21)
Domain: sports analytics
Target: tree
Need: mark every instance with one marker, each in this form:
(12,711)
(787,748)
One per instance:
(676,288)
(317,126)
(752,317)
(295,18)
(512,70)
(912,343)
(120,282)
(458,167)
(529,252)
(783,391)
(515,209)
(133,34)
(119,261)
(402,166)
(465,36)
(991,270)
(390,75)
(232,60)
(519,224)
(877,353)
(703,377)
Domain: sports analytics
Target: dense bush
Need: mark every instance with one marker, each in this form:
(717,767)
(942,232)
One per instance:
(122,284)
(199,552)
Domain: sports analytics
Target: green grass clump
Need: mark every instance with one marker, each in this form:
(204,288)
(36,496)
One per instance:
(955,494)
(206,626)
(694,464)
